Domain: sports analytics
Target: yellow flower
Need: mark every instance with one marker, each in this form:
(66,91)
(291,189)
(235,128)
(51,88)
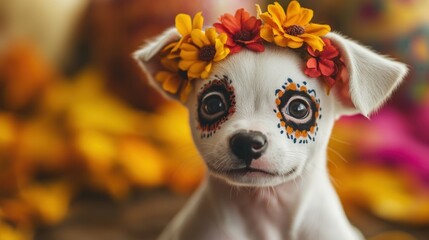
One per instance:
(197,57)
(173,79)
(293,28)
(184,25)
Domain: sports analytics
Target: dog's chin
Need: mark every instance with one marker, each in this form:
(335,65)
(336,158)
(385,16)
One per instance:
(251,177)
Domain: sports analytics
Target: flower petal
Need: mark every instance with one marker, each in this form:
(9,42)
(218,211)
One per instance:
(256,47)
(185,89)
(252,25)
(211,35)
(189,55)
(206,72)
(267,33)
(315,42)
(197,68)
(189,47)
(240,16)
(317,29)
(311,63)
(193,74)
(312,52)
(198,21)
(171,84)
(198,38)
(329,52)
(230,42)
(235,49)
(326,67)
(162,76)
(221,28)
(183,24)
(277,13)
(281,41)
(258,10)
(292,13)
(305,16)
(223,37)
(312,72)
(293,38)
(221,53)
(185,64)
(270,21)
(230,23)
(294,44)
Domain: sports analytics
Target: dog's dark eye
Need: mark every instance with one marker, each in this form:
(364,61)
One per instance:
(298,109)
(213,106)
(216,102)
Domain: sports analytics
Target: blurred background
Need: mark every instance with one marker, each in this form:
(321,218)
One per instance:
(89,151)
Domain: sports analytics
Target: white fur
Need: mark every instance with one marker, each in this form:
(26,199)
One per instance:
(302,205)
(372,77)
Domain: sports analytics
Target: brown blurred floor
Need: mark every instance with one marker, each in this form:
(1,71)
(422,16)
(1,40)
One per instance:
(145,215)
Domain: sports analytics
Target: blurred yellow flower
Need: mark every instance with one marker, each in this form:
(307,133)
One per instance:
(7,130)
(293,28)
(207,47)
(50,201)
(142,163)
(9,233)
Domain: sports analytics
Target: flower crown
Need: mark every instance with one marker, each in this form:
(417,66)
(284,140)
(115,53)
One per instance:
(193,55)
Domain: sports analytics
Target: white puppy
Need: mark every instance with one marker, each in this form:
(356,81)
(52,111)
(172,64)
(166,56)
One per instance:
(262,127)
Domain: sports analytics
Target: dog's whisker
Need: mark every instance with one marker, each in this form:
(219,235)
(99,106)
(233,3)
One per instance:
(341,141)
(337,153)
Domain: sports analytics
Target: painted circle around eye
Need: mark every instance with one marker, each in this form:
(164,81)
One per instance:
(213,106)
(298,109)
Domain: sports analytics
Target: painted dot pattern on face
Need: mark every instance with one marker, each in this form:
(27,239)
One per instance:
(222,85)
(297,131)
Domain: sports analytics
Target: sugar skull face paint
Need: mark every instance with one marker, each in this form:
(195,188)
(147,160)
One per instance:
(298,110)
(216,103)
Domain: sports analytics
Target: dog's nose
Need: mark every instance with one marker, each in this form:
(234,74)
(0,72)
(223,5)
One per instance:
(248,145)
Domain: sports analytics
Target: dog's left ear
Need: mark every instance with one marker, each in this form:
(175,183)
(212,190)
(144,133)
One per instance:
(369,80)
(149,59)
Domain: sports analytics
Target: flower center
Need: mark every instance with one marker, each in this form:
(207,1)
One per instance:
(207,53)
(242,36)
(295,30)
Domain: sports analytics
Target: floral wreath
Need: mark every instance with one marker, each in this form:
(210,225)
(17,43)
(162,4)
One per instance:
(193,55)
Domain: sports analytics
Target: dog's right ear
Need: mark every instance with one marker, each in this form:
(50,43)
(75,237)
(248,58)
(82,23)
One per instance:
(369,80)
(149,59)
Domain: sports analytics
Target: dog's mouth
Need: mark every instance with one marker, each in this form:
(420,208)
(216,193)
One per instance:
(254,171)
(246,170)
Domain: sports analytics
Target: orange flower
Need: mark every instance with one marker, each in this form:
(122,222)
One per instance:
(242,30)
(293,28)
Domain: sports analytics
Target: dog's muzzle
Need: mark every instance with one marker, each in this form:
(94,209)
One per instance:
(248,145)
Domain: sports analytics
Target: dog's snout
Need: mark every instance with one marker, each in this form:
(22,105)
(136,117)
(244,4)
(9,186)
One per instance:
(248,146)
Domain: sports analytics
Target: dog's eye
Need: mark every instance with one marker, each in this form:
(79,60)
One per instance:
(216,103)
(298,109)
(213,106)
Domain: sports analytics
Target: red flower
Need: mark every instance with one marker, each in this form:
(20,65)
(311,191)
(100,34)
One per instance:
(326,63)
(242,30)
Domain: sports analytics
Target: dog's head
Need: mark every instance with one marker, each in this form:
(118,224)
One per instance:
(259,120)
